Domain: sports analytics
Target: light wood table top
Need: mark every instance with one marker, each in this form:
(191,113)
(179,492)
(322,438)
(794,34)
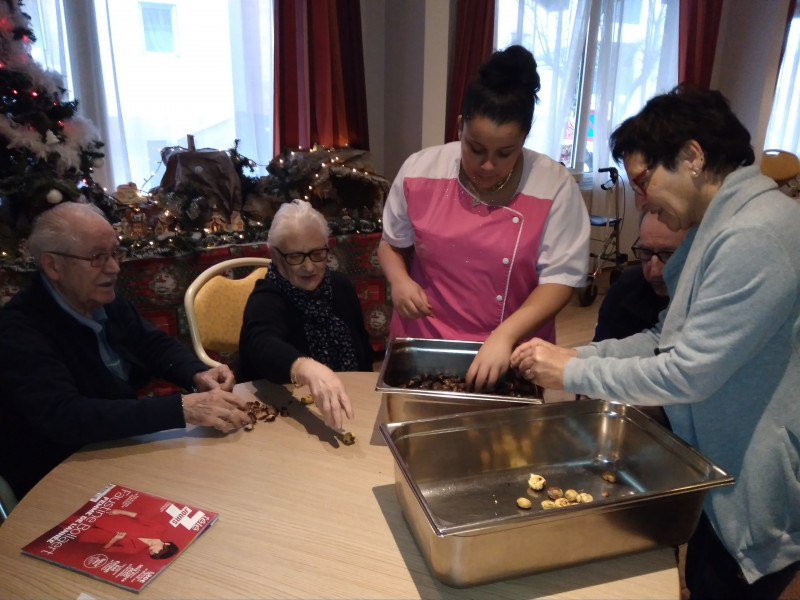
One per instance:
(301,516)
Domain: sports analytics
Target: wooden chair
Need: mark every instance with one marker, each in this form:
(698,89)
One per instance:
(780,165)
(215,306)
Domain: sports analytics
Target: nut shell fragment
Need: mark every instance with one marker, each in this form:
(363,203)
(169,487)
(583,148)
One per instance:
(561,502)
(554,492)
(536,482)
(307,399)
(609,476)
(348,439)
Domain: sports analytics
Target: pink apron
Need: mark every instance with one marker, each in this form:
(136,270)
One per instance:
(476,263)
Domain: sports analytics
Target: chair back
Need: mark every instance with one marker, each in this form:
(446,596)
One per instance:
(7,499)
(215,306)
(780,165)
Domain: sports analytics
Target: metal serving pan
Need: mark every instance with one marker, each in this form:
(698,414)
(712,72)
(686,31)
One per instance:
(407,358)
(458,477)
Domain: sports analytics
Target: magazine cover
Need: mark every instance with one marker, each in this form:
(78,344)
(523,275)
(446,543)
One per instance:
(122,536)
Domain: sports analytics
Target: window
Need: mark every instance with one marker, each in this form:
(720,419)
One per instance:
(214,81)
(157,26)
(783,131)
(599,62)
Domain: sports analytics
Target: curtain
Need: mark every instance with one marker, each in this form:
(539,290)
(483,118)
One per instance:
(473,45)
(147,77)
(783,131)
(699,28)
(630,73)
(555,32)
(320,93)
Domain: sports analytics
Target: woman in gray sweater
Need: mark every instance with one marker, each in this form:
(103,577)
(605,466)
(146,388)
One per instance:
(725,358)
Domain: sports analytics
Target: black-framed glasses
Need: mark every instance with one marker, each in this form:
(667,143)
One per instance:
(645,254)
(95,260)
(298,258)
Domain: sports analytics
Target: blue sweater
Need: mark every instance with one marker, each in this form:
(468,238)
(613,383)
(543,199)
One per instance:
(727,366)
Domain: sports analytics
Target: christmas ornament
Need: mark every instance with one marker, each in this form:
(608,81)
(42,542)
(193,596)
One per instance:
(54,196)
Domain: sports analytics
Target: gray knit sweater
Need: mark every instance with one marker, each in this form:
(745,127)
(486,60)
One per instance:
(725,361)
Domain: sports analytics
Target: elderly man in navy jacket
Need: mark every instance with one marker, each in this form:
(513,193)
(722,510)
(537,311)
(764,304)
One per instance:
(73,354)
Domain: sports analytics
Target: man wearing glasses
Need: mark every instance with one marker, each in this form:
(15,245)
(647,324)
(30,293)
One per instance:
(73,354)
(633,302)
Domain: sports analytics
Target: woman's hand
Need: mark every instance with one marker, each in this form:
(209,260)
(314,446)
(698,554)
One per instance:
(410,301)
(542,362)
(490,364)
(327,390)
(408,298)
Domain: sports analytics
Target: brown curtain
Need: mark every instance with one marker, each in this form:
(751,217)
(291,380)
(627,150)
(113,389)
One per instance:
(474,43)
(697,40)
(320,93)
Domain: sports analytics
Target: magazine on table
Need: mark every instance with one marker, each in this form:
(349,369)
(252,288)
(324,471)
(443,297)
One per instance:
(122,536)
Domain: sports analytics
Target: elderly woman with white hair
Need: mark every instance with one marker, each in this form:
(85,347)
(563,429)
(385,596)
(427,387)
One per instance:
(303,321)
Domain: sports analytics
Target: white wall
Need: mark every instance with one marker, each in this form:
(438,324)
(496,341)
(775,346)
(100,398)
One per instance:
(407,64)
(373,25)
(747,61)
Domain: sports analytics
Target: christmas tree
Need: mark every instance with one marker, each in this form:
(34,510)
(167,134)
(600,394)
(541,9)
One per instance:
(47,152)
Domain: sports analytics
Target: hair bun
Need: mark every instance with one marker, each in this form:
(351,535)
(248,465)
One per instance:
(511,69)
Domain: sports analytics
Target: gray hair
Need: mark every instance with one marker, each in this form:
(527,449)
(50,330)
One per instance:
(54,229)
(295,213)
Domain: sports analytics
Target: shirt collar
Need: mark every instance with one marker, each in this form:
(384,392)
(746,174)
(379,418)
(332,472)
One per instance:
(99,317)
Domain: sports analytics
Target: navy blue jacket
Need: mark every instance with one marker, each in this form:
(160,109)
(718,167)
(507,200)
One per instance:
(273,337)
(58,395)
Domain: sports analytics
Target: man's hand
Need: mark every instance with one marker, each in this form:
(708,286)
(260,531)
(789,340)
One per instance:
(542,362)
(216,408)
(220,377)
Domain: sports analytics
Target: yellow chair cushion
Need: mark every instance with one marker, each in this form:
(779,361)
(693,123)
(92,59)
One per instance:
(219,309)
(780,165)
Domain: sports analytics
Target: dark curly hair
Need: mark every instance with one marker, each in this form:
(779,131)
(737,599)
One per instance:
(667,122)
(505,89)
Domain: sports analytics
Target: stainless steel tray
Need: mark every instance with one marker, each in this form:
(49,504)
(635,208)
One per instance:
(407,358)
(458,477)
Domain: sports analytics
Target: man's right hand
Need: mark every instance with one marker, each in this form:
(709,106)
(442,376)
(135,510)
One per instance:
(215,408)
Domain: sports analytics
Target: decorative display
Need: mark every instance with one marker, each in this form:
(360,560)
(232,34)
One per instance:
(207,198)
(47,152)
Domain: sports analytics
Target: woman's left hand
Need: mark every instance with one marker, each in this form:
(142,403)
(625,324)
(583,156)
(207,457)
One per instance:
(542,362)
(490,364)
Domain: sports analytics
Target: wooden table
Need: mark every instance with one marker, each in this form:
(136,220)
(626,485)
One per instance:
(301,516)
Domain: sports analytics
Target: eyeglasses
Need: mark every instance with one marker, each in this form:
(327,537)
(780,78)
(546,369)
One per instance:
(645,254)
(638,183)
(96,260)
(298,258)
